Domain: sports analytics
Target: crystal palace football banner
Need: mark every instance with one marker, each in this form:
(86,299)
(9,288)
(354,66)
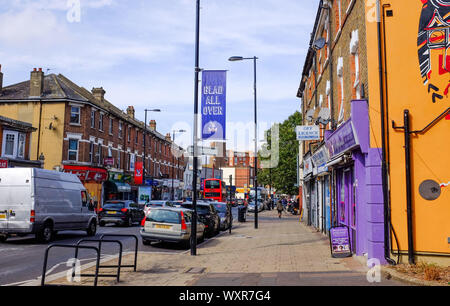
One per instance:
(214,104)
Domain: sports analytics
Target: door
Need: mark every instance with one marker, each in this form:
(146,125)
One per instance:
(347,203)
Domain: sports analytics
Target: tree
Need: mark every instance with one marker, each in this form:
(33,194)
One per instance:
(284,176)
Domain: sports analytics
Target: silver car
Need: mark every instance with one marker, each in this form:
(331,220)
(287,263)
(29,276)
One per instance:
(169,225)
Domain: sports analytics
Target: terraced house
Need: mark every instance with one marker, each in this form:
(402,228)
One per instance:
(376,83)
(79,131)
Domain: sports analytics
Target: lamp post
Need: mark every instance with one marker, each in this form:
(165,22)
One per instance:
(145,137)
(193,239)
(173,159)
(240,58)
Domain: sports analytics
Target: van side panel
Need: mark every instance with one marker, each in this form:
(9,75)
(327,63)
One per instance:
(16,200)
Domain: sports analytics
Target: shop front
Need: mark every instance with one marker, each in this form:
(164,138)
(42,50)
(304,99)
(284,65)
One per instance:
(308,187)
(356,182)
(119,187)
(93,180)
(323,199)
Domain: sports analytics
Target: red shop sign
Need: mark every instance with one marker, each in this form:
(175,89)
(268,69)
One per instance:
(3,163)
(87,174)
(138,173)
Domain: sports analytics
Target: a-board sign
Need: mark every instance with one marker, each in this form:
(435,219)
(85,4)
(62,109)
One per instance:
(340,242)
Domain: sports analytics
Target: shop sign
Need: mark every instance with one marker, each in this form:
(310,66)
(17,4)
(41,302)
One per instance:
(120,177)
(87,174)
(342,140)
(340,242)
(308,132)
(307,166)
(3,163)
(320,158)
(109,161)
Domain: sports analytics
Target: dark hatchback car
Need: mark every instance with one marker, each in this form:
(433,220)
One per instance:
(225,215)
(123,213)
(208,215)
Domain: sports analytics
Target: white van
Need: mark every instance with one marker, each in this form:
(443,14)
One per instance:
(43,202)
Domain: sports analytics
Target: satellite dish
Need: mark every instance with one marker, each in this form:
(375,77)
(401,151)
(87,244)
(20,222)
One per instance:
(324,116)
(319,44)
(310,115)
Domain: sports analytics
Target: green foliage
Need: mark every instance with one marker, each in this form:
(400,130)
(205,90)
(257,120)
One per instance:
(284,176)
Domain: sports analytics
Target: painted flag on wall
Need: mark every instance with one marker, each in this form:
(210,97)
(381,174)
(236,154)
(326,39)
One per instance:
(214,104)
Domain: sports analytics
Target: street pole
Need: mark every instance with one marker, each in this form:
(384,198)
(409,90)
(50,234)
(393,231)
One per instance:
(193,239)
(256,148)
(230,205)
(173,166)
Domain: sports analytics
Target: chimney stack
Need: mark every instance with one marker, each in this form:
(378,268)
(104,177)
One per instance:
(130,111)
(99,94)
(168,137)
(153,125)
(37,83)
(1,80)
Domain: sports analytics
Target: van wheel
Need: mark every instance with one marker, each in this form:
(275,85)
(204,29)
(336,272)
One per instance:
(46,234)
(92,229)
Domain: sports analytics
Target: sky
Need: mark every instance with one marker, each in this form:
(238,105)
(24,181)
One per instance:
(142,52)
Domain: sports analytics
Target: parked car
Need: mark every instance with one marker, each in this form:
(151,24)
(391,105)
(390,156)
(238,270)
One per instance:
(225,215)
(156,204)
(208,215)
(169,225)
(120,212)
(251,206)
(43,202)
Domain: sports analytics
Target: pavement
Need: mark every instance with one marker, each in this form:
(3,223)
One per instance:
(281,252)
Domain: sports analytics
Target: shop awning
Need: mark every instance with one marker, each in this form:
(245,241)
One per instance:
(335,161)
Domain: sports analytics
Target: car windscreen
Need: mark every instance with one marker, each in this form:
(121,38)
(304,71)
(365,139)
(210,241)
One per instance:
(164,216)
(201,209)
(221,207)
(115,205)
(155,204)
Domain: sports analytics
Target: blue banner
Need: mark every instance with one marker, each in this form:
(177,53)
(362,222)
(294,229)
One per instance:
(214,104)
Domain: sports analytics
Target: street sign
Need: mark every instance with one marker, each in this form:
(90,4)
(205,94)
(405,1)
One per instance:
(308,132)
(3,163)
(203,151)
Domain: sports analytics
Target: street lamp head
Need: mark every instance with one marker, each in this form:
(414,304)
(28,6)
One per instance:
(153,110)
(235,58)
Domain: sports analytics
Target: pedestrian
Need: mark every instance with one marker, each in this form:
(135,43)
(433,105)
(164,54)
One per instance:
(280,208)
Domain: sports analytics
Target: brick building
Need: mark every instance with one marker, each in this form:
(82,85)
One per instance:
(342,169)
(79,131)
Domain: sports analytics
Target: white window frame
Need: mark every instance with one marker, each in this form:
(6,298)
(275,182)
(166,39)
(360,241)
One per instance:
(92,119)
(120,129)
(77,150)
(72,107)
(16,138)
(111,128)
(100,122)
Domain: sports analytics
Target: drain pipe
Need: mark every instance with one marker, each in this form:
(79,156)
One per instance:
(383,145)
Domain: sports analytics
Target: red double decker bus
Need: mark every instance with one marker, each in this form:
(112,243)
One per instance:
(215,189)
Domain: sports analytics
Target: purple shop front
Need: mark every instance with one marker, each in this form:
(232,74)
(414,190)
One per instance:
(358,196)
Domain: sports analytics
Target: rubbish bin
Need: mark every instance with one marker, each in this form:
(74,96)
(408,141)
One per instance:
(242,213)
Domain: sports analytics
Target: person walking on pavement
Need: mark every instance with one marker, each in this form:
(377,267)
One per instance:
(280,208)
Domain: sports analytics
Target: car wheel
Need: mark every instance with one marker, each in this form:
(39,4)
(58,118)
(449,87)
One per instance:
(146,242)
(102,223)
(129,222)
(92,229)
(46,234)
(3,238)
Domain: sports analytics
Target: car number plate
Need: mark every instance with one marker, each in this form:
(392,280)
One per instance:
(163,226)
(2,216)
(112,212)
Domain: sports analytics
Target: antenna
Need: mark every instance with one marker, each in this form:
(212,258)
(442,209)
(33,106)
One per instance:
(324,116)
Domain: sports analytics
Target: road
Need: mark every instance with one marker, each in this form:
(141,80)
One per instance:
(22,259)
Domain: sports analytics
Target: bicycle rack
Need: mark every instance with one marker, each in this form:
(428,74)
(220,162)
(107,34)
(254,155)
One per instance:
(135,250)
(99,248)
(76,247)
(98,251)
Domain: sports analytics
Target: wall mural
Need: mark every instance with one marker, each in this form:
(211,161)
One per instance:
(434,44)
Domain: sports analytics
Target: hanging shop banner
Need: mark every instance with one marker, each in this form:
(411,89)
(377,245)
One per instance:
(307,132)
(342,140)
(320,158)
(340,242)
(214,104)
(307,167)
(138,171)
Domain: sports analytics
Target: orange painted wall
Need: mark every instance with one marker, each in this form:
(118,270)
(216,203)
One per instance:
(431,151)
